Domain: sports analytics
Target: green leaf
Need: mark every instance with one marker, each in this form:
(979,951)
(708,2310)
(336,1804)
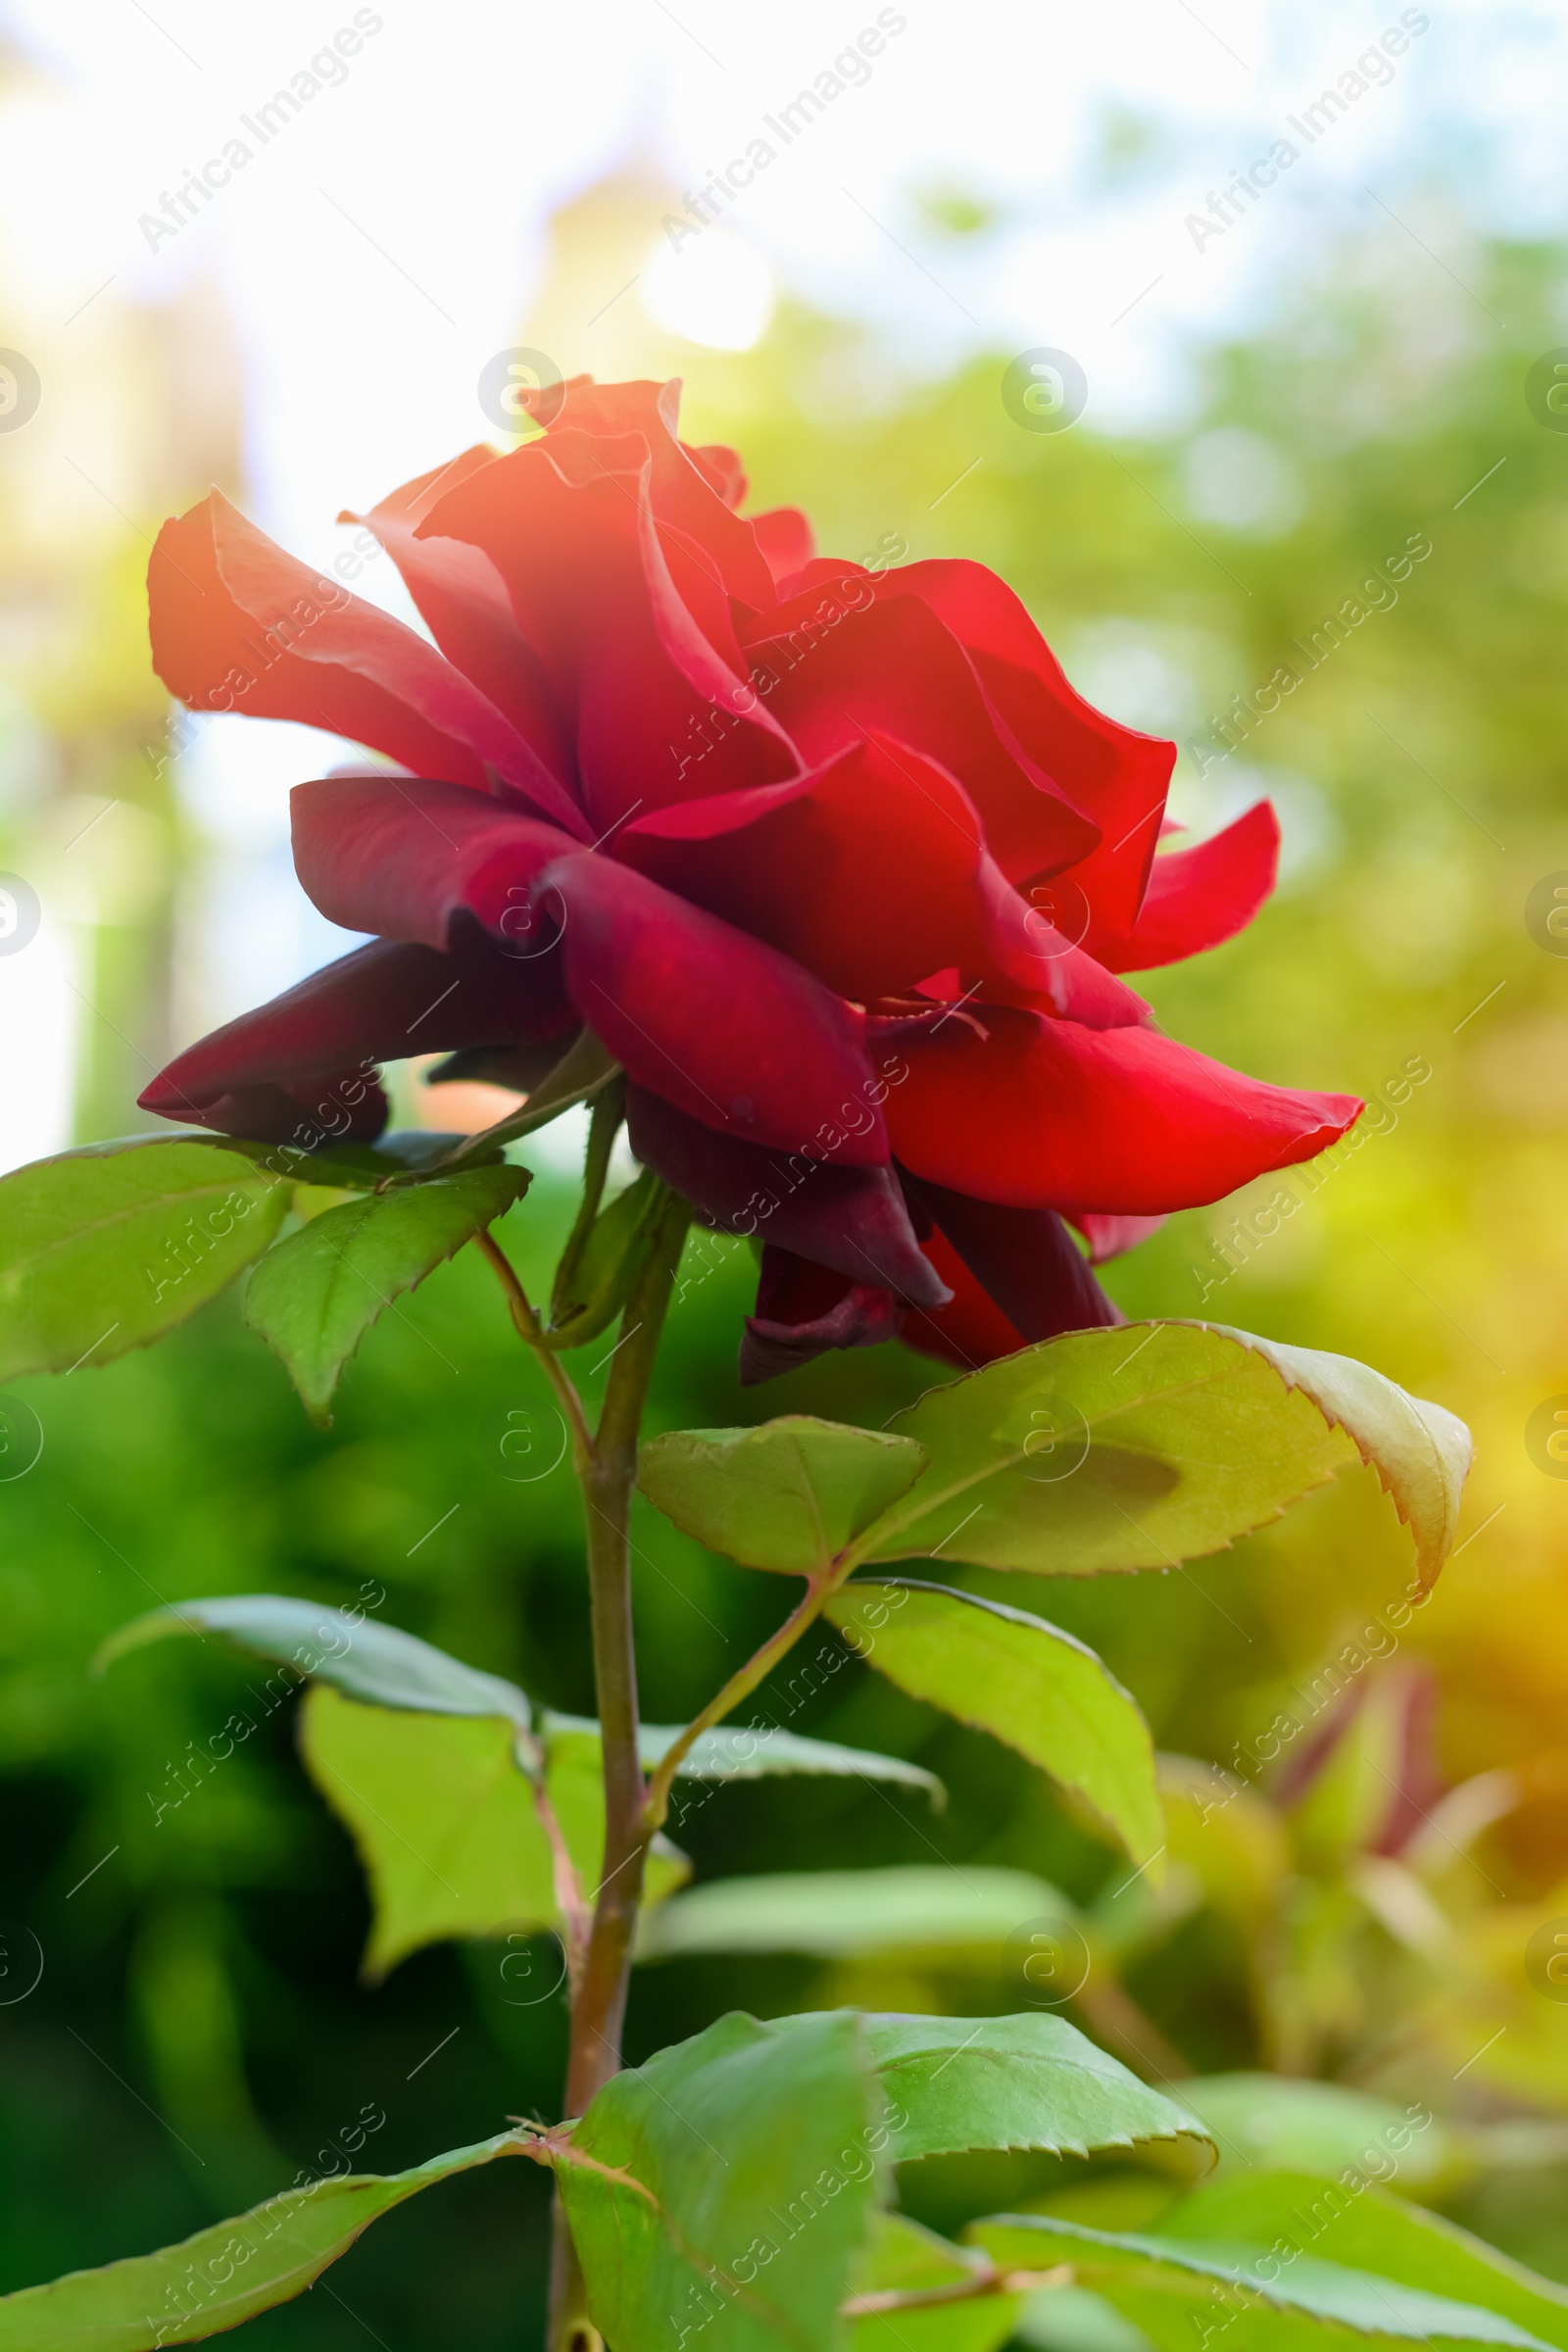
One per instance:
(374,1662)
(409,1156)
(104,1249)
(851,1914)
(757,1752)
(1361,2225)
(899,2257)
(1274,2120)
(1105,1449)
(1155,2281)
(575,1778)
(225,2273)
(443,1813)
(443,1817)
(723,2189)
(315,1298)
(788,1496)
(603,1272)
(954,2084)
(1023,1680)
(1420,1451)
(754,1752)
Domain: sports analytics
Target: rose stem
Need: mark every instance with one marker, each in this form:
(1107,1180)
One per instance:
(607,1477)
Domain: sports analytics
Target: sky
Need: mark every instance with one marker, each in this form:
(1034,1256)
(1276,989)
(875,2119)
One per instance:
(376,240)
(383,242)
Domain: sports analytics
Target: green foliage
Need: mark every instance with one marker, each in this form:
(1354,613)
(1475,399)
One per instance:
(443,1817)
(1013,1675)
(1362,2226)
(109,1247)
(379,1663)
(1420,1451)
(1271,2123)
(206,2285)
(901,2258)
(1157,2282)
(731,2181)
(727,2187)
(954,2084)
(838,1914)
(1335,985)
(738,1752)
(788,1496)
(1142,1447)
(317,1295)
(591,1287)
(408,1155)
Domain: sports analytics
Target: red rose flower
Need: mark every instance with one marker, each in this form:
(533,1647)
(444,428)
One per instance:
(835,862)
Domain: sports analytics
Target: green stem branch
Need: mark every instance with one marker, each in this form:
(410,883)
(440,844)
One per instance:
(608,1475)
(820,1587)
(741,1683)
(528,1329)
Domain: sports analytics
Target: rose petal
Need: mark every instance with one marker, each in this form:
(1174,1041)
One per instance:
(238,624)
(382,1004)
(787,541)
(694,491)
(1112,1237)
(722,468)
(971,1329)
(1196,898)
(1041,1113)
(463,600)
(656,711)
(846,658)
(871,871)
(335,1107)
(724,1027)
(803,1309)
(1026,1260)
(1114,774)
(402,856)
(852,1219)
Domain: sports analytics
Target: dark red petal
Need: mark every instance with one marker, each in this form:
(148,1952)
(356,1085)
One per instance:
(336,1107)
(694,490)
(852,1219)
(239,625)
(1197,896)
(658,710)
(722,1026)
(463,600)
(1026,1260)
(382,1003)
(402,856)
(1116,776)
(872,872)
(803,1309)
(971,1329)
(787,541)
(844,659)
(1110,1237)
(1042,1113)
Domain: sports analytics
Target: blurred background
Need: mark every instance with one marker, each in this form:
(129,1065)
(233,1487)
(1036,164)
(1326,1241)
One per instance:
(1325,394)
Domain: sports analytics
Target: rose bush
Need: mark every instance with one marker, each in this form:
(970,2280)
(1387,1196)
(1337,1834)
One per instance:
(835,863)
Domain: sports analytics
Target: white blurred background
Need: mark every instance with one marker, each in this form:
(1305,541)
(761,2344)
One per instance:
(472,177)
